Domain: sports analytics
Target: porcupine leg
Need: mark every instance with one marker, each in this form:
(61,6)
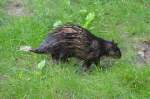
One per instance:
(58,57)
(86,65)
(63,55)
(64,59)
(97,62)
(55,58)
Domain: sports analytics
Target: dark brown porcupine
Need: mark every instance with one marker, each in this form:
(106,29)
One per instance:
(75,41)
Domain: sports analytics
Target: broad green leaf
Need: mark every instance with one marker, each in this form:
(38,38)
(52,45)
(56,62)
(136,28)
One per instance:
(57,23)
(89,18)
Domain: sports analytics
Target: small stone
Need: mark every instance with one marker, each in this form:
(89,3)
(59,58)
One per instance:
(141,53)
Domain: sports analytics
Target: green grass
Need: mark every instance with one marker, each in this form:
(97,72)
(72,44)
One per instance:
(125,21)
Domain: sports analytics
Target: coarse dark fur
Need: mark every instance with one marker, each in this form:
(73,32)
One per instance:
(75,41)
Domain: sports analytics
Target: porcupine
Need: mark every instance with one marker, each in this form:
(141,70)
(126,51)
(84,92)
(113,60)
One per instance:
(75,41)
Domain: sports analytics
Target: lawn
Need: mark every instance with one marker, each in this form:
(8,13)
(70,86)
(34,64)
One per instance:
(25,75)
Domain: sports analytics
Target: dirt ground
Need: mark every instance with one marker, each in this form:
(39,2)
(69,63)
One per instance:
(17,8)
(143,51)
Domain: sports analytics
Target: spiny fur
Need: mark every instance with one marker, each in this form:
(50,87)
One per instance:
(75,41)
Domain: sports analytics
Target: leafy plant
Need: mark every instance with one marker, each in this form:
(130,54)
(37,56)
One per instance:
(89,18)
(41,64)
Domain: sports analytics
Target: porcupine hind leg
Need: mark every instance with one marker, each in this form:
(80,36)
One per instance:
(64,55)
(55,57)
(64,59)
(59,57)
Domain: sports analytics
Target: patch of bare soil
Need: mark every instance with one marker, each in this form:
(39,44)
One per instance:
(143,52)
(17,8)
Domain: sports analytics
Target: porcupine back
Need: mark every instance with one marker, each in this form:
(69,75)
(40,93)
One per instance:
(72,40)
